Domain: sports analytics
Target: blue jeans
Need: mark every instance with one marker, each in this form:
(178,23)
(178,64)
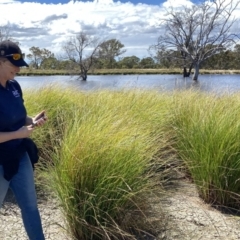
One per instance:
(23,187)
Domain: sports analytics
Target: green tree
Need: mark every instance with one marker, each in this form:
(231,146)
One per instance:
(222,61)
(37,56)
(170,58)
(147,62)
(50,63)
(64,64)
(225,60)
(236,53)
(129,62)
(109,50)
(161,56)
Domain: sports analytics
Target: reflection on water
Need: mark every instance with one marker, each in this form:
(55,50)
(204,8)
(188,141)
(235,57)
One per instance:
(207,83)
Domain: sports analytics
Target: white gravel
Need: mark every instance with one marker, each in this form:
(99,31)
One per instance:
(11,227)
(189,218)
(181,215)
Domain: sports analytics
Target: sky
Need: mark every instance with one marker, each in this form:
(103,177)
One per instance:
(49,23)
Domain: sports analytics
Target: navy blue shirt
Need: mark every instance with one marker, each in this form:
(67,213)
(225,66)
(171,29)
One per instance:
(12,117)
(12,112)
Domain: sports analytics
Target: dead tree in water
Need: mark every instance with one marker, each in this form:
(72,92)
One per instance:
(199,31)
(82,51)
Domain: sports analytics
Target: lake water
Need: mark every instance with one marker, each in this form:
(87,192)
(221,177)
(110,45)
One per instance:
(208,83)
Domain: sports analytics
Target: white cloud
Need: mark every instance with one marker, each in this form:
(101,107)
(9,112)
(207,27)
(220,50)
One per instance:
(103,1)
(49,25)
(6,1)
(177,3)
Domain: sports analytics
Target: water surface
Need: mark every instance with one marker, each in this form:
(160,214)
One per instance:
(210,83)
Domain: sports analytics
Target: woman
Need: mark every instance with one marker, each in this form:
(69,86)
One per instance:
(16,169)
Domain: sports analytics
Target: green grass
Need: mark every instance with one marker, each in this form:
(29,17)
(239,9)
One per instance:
(207,139)
(97,150)
(103,152)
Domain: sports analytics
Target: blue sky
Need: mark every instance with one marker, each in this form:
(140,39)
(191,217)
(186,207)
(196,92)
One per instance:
(49,23)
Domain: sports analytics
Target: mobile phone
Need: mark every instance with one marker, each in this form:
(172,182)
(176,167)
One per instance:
(34,124)
(40,116)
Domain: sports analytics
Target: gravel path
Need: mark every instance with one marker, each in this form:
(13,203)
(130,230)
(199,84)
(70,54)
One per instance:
(183,213)
(189,218)
(11,227)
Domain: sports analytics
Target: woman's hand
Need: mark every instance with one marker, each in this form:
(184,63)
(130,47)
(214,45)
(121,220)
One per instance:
(24,132)
(39,119)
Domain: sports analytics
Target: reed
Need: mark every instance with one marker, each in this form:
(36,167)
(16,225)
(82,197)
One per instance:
(49,72)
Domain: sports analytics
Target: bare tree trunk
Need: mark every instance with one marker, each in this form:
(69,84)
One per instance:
(190,70)
(185,72)
(84,76)
(196,72)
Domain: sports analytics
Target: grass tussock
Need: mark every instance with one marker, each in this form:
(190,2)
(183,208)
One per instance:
(207,130)
(97,149)
(103,152)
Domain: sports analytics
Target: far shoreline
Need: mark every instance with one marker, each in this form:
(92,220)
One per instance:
(47,72)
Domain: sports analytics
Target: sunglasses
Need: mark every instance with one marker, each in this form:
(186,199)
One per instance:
(16,56)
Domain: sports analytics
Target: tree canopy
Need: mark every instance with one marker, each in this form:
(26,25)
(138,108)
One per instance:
(109,50)
(38,56)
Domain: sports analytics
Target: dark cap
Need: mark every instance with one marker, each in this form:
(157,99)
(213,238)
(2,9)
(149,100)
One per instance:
(7,48)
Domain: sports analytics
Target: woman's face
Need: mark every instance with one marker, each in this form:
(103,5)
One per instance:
(7,70)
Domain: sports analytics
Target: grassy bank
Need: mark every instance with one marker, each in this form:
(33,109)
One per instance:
(103,153)
(38,72)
